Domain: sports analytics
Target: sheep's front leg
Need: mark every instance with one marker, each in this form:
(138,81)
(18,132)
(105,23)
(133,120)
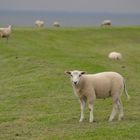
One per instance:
(83,104)
(91,99)
(91,118)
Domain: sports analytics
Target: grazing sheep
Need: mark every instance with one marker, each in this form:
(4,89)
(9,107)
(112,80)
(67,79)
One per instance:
(106,23)
(56,24)
(115,56)
(39,23)
(6,32)
(88,87)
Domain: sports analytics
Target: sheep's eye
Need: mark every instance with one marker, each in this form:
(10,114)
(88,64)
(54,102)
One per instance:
(80,75)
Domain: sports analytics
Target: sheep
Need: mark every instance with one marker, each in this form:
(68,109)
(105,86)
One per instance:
(6,32)
(39,23)
(56,24)
(115,56)
(88,87)
(106,23)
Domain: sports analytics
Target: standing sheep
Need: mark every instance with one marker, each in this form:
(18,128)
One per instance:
(115,56)
(88,87)
(39,23)
(106,23)
(6,32)
(56,24)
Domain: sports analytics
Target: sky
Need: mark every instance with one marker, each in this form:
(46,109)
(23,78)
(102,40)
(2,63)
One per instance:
(109,6)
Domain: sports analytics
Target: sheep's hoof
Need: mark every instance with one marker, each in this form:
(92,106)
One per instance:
(121,118)
(110,120)
(81,120)
(91,121)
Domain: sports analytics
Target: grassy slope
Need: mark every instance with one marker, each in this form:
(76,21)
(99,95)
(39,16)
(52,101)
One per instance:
(36,99)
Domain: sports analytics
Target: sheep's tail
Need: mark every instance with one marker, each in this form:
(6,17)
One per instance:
(125,90)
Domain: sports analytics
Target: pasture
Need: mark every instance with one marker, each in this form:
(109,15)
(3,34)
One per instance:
(36,97)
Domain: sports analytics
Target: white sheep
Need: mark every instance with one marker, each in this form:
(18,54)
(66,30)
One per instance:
(6,32)
(88,87)
(56,24)
(115,56)
(39,23)
(106,23)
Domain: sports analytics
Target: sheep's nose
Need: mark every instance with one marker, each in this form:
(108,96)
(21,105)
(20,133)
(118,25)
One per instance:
(75,83)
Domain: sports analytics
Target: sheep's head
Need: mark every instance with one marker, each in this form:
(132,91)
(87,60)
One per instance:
(10,26)
(75,76)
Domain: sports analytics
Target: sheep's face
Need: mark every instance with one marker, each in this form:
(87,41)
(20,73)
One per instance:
(75,76)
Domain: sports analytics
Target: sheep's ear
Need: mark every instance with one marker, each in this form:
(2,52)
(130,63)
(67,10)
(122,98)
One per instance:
(83,72)
(67,72)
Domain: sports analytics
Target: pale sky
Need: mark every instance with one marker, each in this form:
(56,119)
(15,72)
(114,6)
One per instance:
(112,6)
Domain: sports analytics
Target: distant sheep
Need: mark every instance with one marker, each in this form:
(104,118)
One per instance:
(6,32)
(106,23)
(88,87)
(39,23)
(56,24)
(115,56)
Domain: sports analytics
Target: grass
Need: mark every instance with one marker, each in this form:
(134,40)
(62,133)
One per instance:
(36,97)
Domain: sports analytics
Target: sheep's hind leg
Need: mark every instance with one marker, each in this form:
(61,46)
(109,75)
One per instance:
(113,113)
(120,108)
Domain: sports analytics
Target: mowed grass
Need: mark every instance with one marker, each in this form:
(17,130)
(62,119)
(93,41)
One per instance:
(36,97)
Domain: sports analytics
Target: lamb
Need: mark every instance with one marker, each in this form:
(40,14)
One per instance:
(39,23)
(115,56)
(88,87)
(6,32)
(106,23)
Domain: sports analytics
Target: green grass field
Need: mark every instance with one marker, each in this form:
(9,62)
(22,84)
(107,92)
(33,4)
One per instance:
(36,97)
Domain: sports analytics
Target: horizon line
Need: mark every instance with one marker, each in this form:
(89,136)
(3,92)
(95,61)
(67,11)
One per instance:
(62,11)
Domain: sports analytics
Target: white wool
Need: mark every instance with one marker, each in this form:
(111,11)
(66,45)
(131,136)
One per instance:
(115,56)
(56,24)
(39,23)
(6,32)
(88,87)
(106,23)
